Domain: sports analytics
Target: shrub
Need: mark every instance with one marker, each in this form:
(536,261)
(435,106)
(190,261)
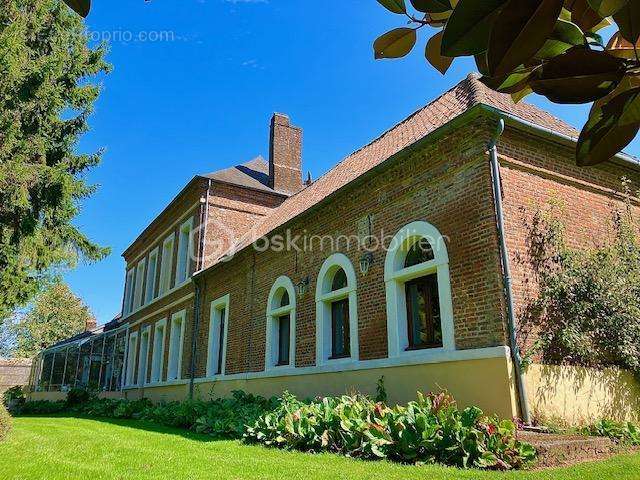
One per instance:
(5,422)
(76,396)
(623,432)
(431,429)
(43,407)
(14,398)
(588,310)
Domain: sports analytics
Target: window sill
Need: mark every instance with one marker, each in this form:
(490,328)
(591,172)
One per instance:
(420,348)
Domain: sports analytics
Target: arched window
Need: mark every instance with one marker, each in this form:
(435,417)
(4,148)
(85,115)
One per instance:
(336,311)
(281,325)
(419,306)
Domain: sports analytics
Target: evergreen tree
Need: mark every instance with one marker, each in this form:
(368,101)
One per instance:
(46,96)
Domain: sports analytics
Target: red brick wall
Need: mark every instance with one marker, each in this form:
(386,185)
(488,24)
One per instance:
(447,184)
(535,173)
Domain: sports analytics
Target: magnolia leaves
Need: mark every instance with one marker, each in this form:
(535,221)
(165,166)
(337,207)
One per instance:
(81,7)
(550,47)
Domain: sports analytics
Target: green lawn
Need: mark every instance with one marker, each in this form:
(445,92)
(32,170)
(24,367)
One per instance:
(66,448)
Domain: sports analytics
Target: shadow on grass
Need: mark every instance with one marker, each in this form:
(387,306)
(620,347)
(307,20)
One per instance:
(139,425)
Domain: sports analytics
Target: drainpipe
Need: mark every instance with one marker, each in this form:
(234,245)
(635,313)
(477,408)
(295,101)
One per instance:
(194,334)
(506,272)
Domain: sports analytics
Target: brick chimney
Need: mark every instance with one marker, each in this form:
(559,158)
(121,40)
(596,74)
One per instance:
(285,155)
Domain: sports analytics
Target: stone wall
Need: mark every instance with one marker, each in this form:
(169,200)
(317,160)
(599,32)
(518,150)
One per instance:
(14,372)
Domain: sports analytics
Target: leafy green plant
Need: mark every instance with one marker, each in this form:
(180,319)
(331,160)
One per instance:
(381,391)
(14,395)
(43,407)
(623,432)
(588,309)
(76,396)
(428,430)
(550,47)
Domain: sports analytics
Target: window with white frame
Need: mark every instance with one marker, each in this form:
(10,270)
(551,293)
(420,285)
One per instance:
(336,311)
(218,332)
(132,350)
(176,344)
(157,355)
(152,269)
(185,251)
(281,325)
(418,291)
(166,265)
(143,356)
(138,294)
(128,292)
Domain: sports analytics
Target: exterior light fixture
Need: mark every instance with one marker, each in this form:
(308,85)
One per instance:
(366,260)
(302,286)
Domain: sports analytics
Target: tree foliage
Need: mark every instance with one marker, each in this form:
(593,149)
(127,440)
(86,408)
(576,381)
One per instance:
(550,47)
(57,314)
(588,310)
(45,99)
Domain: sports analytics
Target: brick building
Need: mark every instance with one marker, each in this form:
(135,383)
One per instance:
(388,265)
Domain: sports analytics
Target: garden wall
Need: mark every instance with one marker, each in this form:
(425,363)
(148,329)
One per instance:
(578,395)
(13,372)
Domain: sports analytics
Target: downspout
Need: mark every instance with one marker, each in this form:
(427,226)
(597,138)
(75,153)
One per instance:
(506,272)
(204,221)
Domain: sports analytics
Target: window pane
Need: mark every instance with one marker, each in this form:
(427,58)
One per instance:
(339,280)
(284,301)
(284,324)
(423,312)
(221,341)
(340,339)
(420,252)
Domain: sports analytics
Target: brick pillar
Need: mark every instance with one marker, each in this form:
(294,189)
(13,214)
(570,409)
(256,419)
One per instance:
(285,155)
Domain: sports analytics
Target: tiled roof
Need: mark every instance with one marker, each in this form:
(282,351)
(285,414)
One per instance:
(465,95)
(252,174)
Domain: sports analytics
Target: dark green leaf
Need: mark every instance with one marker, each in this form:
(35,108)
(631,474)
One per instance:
(628,20)
(395,6)
(395,44)
(565,35)
(431,6)
(606,8)
(578,76)
(583,15)
(604,135)
(468,29)
(433,55)
(511,83)
(81,7)
(481,63)
(521,29)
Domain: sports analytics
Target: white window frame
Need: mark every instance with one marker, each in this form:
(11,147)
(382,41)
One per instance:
(274,312)
(157,355)
(185,253)
(176,351)
(138,291)
(166,266)
(132,354)
(214,336)
(143,357)
(324,298)
(128,291)
(395,277)
(150,287)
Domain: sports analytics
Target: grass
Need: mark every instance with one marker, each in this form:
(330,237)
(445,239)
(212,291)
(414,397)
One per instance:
(70,448)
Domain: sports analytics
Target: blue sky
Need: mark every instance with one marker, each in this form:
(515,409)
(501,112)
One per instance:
(200,98)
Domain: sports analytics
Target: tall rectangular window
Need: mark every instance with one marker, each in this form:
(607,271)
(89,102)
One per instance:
(143,357)
(284,338)
(138,294)
(128,292)
(423,313)
(152,267)
(340,338)
(166,266)
(157,361)
(218,327)
(185,251)
(176,341)
(132,351)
